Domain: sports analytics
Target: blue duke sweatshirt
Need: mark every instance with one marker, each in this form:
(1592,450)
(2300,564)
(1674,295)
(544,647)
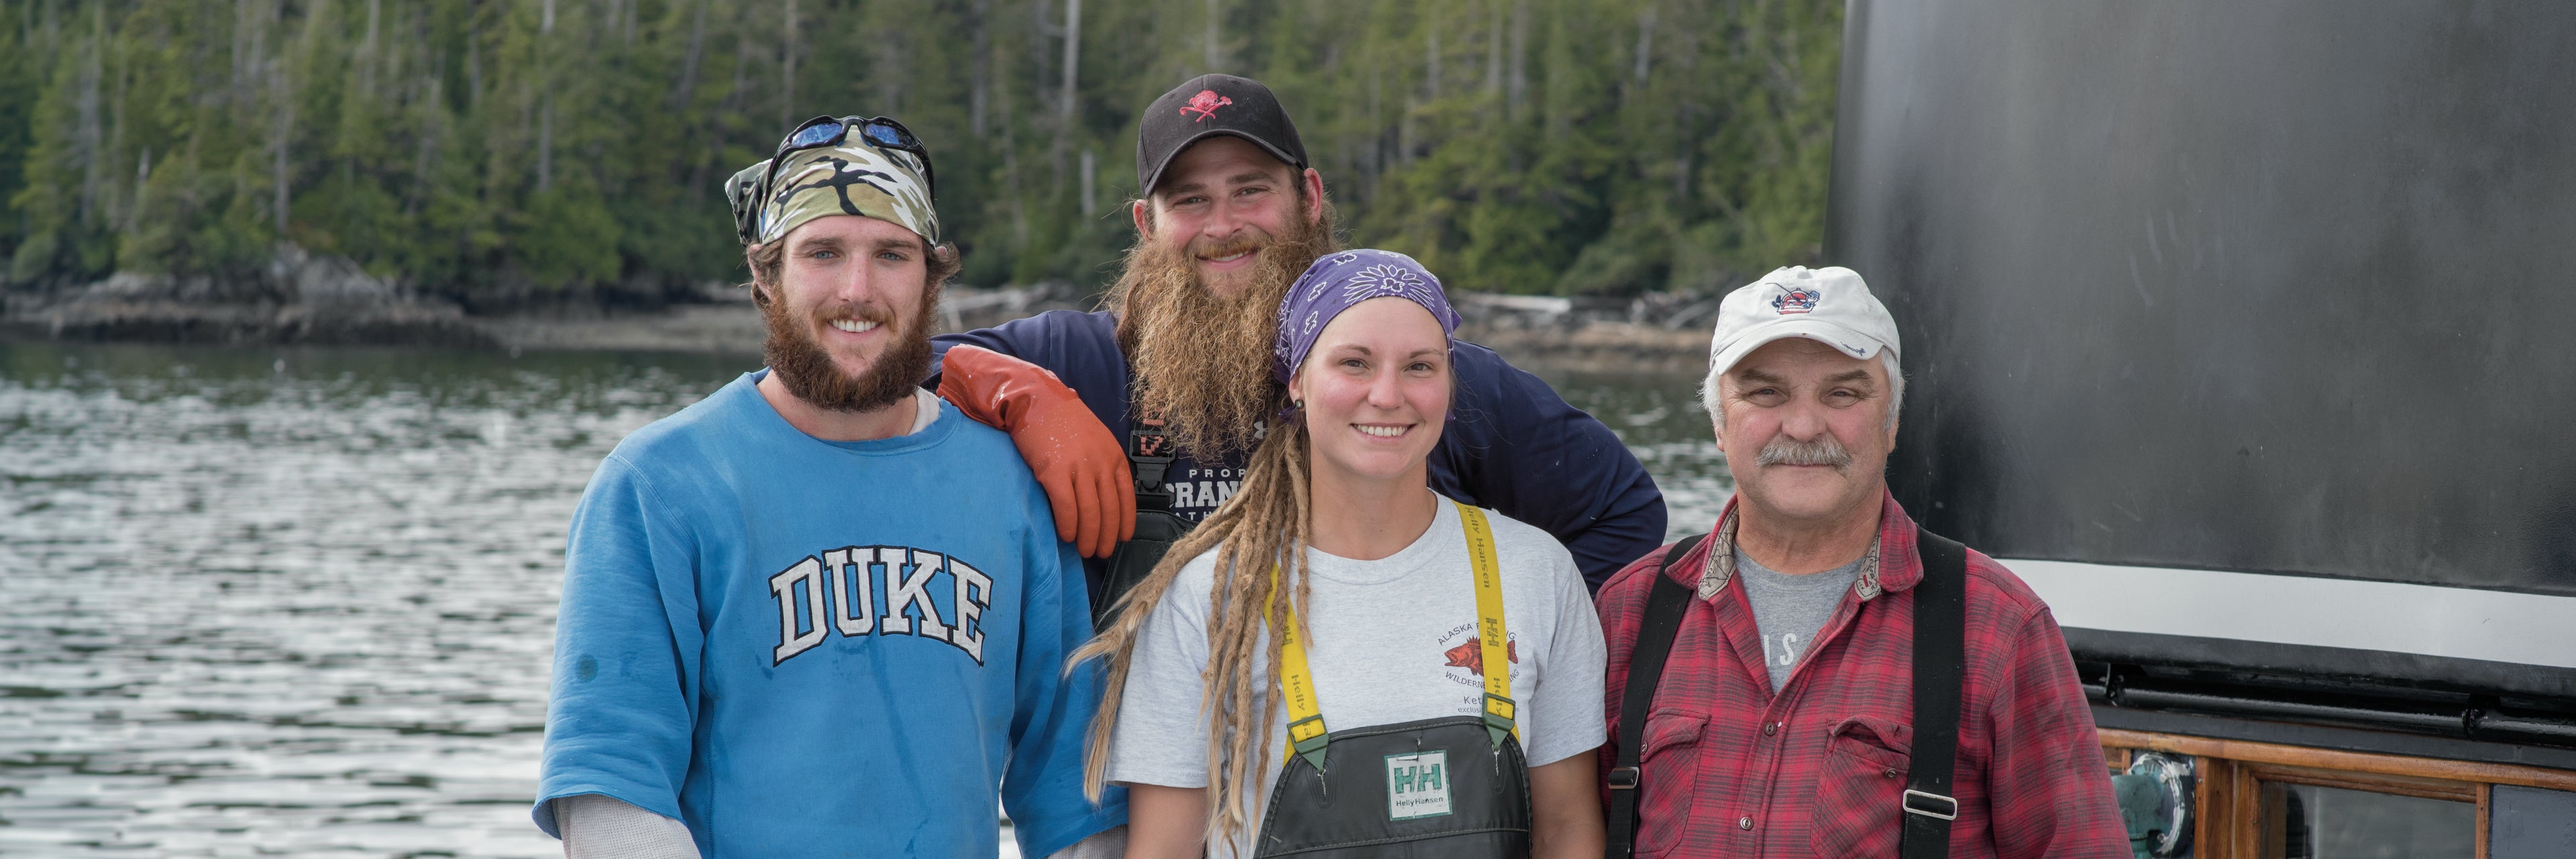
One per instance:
(808,648)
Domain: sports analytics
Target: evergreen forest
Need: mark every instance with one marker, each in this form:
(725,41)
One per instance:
(498,151)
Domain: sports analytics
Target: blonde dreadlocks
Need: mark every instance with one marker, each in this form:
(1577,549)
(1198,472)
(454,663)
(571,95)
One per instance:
(1262,528)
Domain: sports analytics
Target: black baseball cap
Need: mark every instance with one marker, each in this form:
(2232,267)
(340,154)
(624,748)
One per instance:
(1210,105)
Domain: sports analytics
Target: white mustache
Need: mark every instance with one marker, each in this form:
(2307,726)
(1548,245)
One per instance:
(1784,450)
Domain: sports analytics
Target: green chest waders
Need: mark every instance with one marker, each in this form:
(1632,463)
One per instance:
(1449,787)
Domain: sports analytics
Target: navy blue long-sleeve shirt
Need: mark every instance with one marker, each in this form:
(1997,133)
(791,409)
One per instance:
(1510,444)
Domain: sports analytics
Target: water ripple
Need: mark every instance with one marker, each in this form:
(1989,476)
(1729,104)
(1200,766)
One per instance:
(302,602)
(293,602)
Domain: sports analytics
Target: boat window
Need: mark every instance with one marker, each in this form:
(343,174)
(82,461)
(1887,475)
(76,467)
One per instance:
(2252,800)
(2313,822)
(2532,823)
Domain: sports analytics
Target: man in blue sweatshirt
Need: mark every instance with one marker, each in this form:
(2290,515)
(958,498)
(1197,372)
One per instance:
(820,613)
(1177,362)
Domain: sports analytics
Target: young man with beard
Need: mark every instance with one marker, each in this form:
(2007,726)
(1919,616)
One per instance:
(1177,361)
(818,612)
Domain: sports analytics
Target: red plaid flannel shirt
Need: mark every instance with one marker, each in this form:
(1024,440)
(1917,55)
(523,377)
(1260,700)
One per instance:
(1729,769)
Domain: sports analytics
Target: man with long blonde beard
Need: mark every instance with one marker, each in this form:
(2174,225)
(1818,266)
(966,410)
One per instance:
(1177,360)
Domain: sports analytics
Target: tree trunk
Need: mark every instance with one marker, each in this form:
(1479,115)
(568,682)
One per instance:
(1011,167)
(546,143)
(1494,48)
(1215,48)
(91,134)
(473,68)
(422,180)
(980,91)
(1517,89)
(1645,43)
(142,189)
(1090,166)
(688,81)
(285,143)
(1431,58)
(366,59)
(787,70)
(1072,63)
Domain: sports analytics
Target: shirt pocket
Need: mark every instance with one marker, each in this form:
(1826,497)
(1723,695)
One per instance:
(1668,768)
(1860,792)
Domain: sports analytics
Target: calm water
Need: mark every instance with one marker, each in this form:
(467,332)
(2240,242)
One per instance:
(300,602)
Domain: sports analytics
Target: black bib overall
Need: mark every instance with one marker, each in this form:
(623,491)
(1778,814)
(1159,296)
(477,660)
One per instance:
(1455,786)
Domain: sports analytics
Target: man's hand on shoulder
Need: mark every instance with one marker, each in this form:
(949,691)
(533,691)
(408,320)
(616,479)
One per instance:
(1077,460)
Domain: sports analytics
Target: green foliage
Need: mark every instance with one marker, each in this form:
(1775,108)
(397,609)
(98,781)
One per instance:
(508,147)
(19,85)
(568,237)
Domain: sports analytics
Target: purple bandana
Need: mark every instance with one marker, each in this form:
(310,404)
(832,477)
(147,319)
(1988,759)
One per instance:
(1340,280)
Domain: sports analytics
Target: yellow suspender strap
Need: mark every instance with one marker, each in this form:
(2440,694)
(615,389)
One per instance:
(1306,731)
(1491,636)
(1297,686)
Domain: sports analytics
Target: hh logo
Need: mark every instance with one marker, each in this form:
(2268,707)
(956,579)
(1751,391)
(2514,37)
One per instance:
(1799,300)
(1470,654)
(1205,104)
(1417,785)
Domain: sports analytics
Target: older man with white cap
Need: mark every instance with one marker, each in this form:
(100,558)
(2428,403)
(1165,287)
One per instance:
(1817,675)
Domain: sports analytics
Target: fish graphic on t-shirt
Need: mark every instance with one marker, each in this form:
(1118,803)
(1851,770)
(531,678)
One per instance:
(1470,654)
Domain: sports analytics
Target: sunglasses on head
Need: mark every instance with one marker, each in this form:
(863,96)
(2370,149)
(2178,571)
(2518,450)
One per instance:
(822,131)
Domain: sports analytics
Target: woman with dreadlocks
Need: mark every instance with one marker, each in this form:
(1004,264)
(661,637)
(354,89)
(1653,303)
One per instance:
(1340,661)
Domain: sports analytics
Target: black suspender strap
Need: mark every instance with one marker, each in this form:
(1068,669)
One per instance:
(1940,663)
(1664,608)
(1940,656)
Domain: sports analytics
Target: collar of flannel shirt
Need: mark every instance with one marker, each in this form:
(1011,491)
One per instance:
(1899,571)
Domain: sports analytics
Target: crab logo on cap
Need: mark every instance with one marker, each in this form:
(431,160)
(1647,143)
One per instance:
(1205,104)
(1795,300)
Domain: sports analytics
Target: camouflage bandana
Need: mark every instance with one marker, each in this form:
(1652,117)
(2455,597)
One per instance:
(853,178)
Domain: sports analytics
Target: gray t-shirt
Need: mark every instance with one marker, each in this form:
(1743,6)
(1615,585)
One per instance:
(1791,609)
(1395,641)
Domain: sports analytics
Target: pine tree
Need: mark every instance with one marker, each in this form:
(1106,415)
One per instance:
(499,150)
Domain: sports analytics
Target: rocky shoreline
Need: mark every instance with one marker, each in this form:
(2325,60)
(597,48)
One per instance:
(326,301)
(318,300)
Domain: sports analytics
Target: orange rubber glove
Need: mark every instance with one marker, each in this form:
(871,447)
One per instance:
(1077,460)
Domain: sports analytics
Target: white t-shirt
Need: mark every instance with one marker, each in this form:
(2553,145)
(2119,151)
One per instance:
(1394,641)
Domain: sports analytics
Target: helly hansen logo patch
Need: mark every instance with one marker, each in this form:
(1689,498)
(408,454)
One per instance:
(880,590)
(1417,785)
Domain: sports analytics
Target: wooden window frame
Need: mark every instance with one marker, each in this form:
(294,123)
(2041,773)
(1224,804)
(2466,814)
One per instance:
(2230,773)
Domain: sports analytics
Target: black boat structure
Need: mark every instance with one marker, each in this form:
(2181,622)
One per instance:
(2246,334)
